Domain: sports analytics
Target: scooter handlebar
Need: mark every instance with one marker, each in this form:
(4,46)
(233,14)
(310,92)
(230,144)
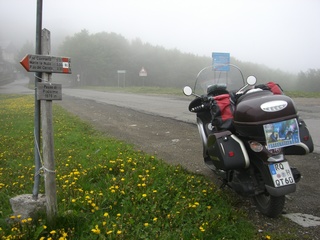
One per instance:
(205,105)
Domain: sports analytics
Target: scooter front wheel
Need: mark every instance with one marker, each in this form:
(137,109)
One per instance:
(268,205)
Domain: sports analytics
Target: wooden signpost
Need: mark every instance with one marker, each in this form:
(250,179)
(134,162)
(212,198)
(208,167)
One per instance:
(46,91)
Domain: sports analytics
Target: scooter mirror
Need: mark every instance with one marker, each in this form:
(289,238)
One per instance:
(251,80)
(187,91)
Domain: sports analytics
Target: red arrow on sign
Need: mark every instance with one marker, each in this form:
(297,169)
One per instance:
(25,63)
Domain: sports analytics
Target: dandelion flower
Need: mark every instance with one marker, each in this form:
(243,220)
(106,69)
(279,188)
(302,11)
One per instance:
(96,230)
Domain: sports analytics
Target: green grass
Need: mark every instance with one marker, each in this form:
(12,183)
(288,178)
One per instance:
(297,94)
(106,189)
(178,91)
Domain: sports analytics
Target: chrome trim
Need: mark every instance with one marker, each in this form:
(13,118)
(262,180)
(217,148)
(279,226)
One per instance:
(224,152)
(304,146)
(276,158)
(202,132)
(243,148)
(274,106)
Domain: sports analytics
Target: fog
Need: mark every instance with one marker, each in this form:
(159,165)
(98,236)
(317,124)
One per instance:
(282,34)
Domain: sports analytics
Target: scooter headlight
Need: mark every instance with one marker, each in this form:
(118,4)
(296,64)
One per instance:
(256,146)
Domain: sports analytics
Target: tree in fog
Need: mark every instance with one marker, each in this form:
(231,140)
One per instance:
(78,48)
(98,57)
(27,48)
(309,81)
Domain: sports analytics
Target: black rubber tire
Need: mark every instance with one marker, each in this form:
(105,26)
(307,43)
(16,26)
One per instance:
(270,206)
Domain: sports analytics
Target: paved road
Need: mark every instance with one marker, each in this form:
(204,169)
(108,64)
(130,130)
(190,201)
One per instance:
(16,87)
(176,107)
(169,106)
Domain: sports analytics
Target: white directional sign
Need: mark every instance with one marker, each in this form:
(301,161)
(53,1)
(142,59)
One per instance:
(46,64)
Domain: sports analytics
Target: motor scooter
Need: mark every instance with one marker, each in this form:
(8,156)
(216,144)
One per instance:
(246,131)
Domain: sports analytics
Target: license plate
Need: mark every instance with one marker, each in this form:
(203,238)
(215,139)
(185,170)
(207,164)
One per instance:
(282,134)
(281,174)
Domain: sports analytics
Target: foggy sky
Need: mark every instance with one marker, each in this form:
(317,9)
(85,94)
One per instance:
(282,34)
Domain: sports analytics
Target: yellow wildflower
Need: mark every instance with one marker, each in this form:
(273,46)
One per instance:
(96,230)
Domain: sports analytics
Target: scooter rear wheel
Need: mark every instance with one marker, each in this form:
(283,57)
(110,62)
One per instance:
(268,205)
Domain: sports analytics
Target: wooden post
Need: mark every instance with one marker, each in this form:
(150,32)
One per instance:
(47,65)
(47,139)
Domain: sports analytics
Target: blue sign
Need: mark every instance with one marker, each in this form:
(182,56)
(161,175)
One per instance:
(221,61)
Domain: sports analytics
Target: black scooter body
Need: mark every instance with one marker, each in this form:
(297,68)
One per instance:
(229,154)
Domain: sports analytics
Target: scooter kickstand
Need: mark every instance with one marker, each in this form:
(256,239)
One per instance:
(224,184)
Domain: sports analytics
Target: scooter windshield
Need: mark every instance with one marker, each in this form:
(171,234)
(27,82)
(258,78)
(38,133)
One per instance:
(226,75)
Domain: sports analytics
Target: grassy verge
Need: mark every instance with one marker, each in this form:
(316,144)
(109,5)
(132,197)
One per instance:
(303,94)
(105,189)
(178,91)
